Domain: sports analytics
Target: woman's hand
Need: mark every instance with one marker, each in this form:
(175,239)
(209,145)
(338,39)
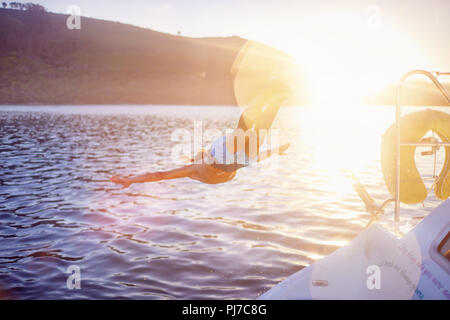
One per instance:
(120,180)
(283,148)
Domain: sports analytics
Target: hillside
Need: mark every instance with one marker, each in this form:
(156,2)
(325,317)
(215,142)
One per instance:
(416,91)
(42,62)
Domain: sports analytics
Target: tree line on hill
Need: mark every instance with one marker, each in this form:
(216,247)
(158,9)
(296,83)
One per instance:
(28,6)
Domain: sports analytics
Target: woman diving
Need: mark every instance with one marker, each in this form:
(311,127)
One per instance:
(231,152)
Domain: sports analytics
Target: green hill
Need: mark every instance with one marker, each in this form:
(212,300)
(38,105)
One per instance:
(43,62)
(416,91)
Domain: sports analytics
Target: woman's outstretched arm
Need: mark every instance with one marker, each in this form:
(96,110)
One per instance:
(183,172)
(267,154)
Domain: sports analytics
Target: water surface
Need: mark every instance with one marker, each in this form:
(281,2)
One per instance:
(177,239)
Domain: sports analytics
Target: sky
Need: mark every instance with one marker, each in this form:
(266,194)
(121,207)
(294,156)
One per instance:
(368,42)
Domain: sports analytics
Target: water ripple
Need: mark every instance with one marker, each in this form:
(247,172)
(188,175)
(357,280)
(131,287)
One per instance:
(166,240)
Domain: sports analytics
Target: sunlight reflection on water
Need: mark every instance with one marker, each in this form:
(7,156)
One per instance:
(179,238)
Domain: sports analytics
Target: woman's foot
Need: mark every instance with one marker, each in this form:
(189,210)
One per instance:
(283,148)
(119,180)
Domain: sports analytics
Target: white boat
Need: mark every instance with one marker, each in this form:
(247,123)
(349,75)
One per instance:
(377,264)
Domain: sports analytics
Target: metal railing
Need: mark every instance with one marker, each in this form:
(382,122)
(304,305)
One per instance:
(433,77)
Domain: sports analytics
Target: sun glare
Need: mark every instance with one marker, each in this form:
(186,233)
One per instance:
(346,61)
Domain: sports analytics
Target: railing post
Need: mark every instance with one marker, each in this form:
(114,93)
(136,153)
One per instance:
(397,154)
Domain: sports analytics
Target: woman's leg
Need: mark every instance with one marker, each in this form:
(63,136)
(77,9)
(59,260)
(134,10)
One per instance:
(201,172)
(262,110)
(258,118)
(189,171)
